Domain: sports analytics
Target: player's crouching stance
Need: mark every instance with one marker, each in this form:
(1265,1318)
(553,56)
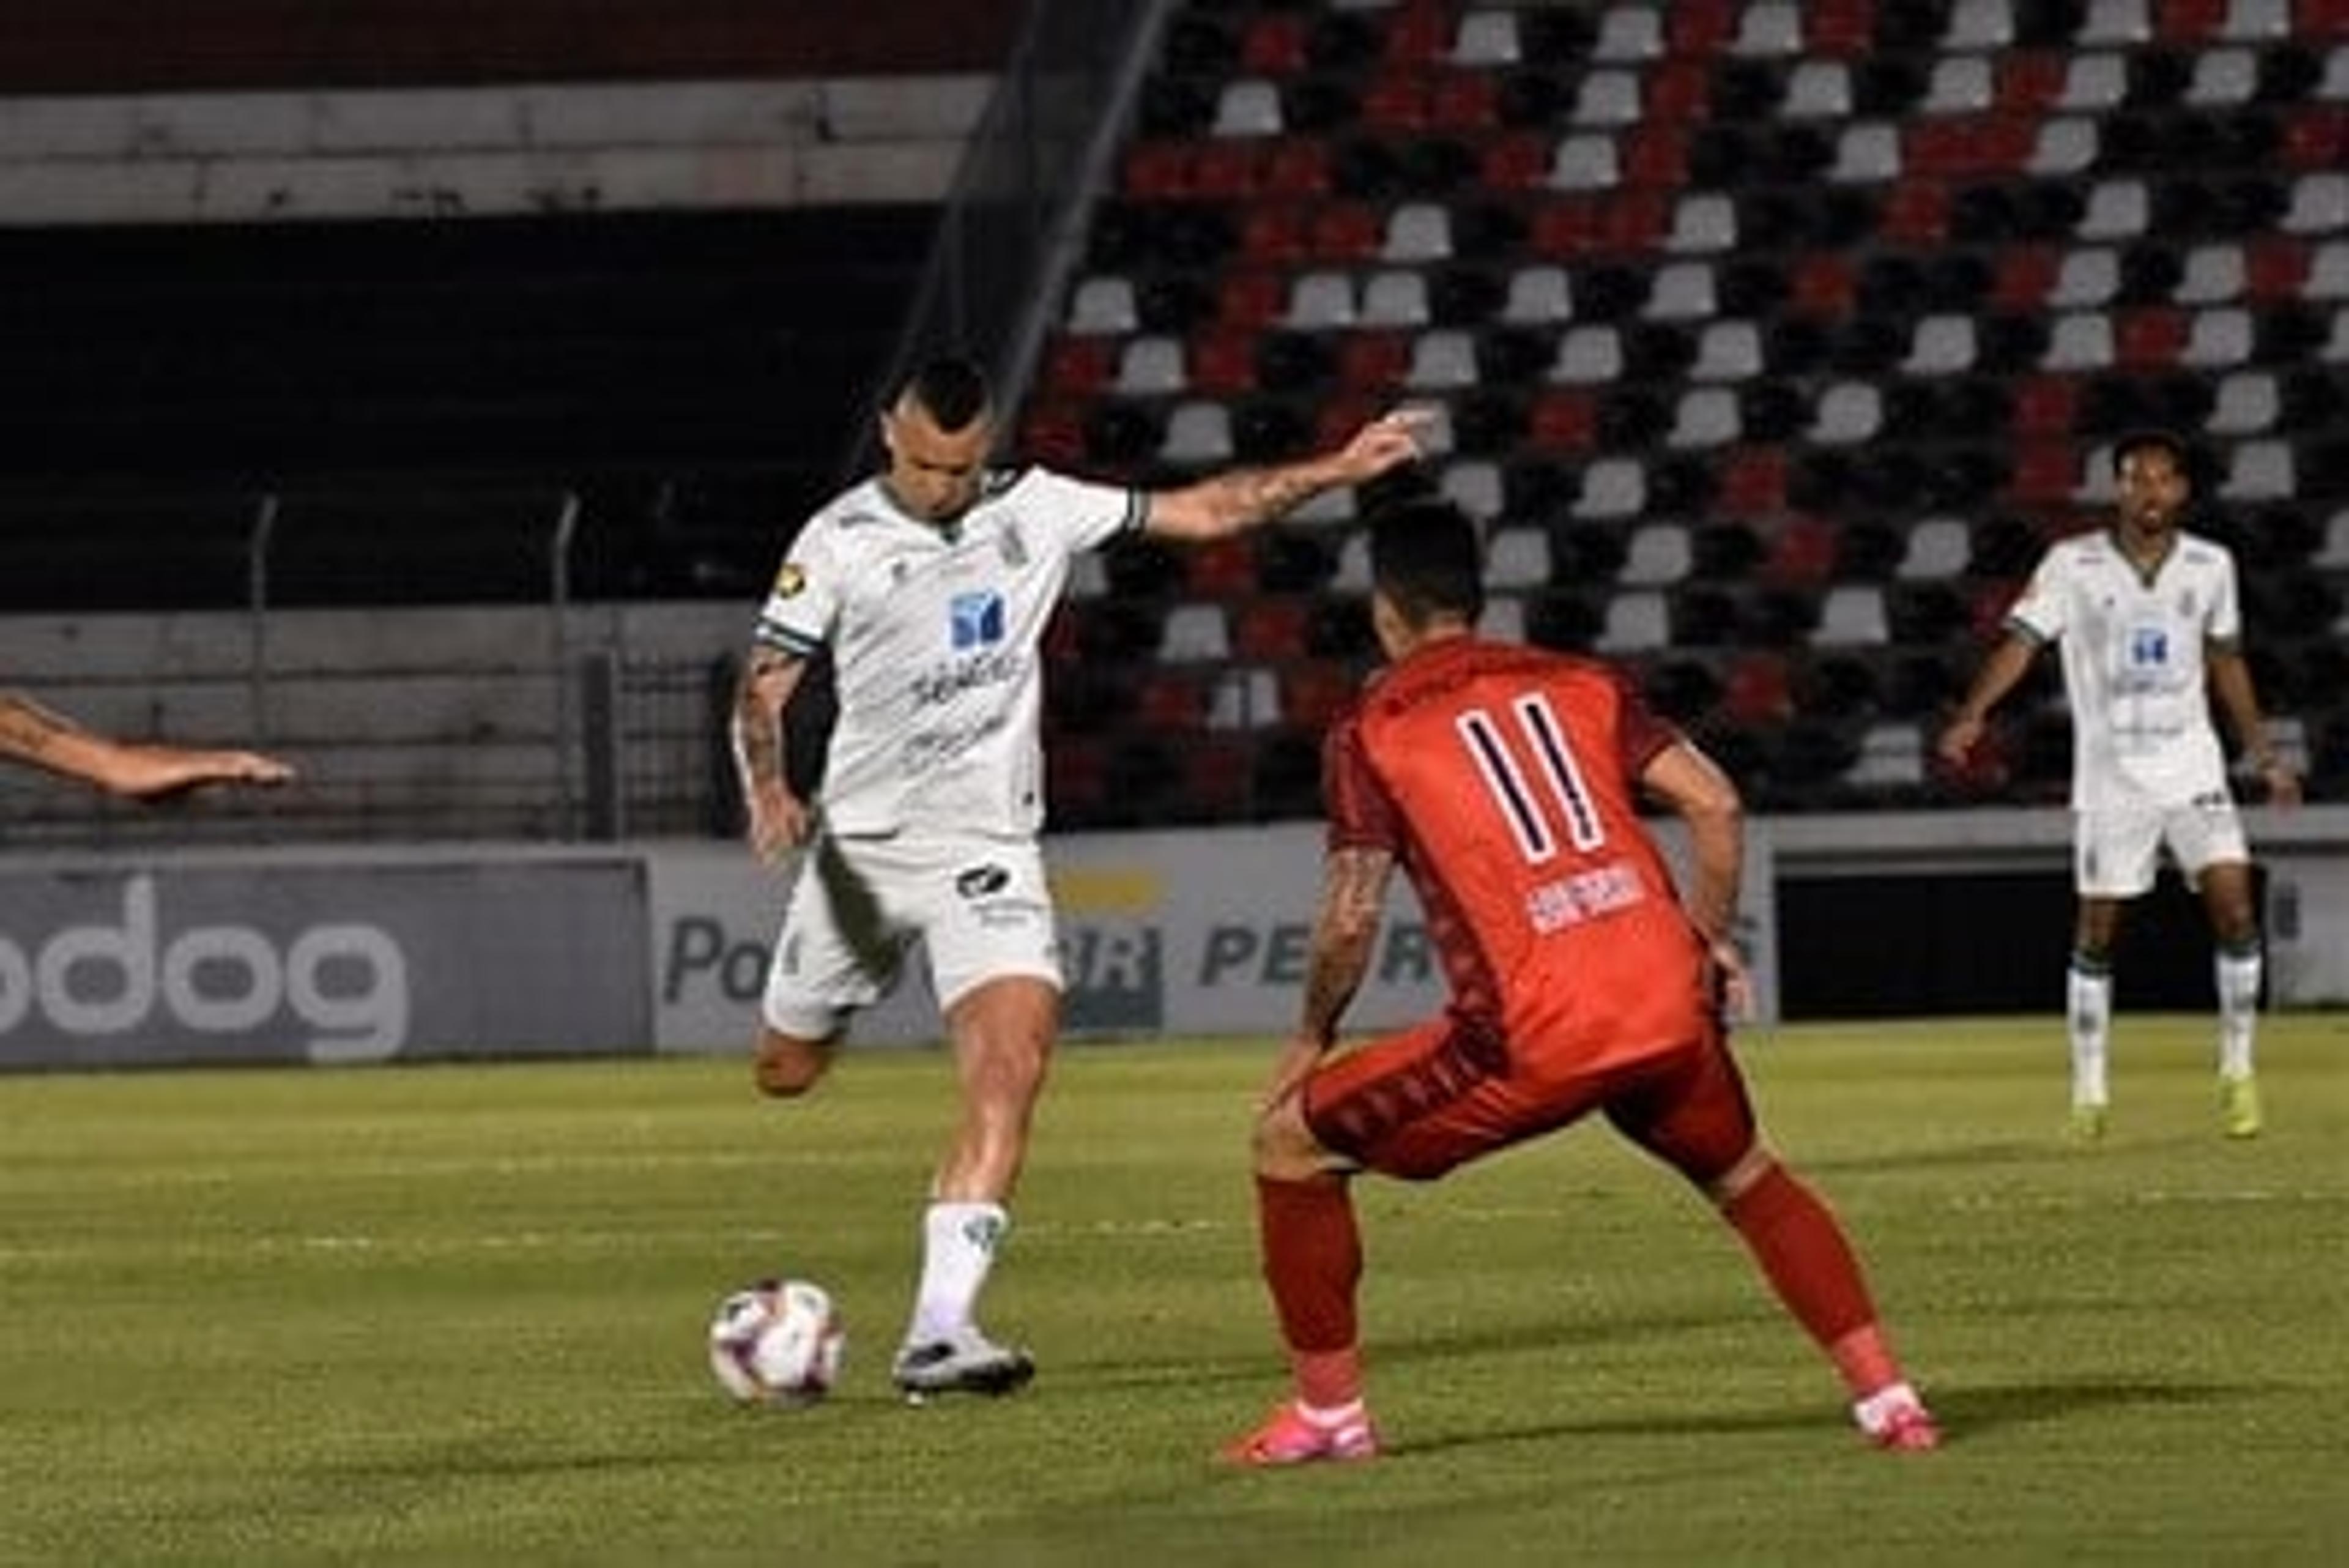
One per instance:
(1503,779)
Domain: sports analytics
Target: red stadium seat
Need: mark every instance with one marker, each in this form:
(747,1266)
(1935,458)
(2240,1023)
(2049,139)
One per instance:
(1274,234)
(1157,171)
(1464,100)
(1052,433)
(1225,169)
(1802,554)
(1635,222)
(2275,268)
(1224,569)
(1078,366)
(2044,406)
(1274,44)
(1754,482)
(1169,703)
(1824,284)
(1251,297)
(1656,155)
(1519,161)
(1758,690)
(1269,629)
(1218,775)
(2030,81)
(1917,213)
(2026,274)
(1315,692)
(1844,28)
(2045,472)
(2188,21)
(2149,338)
(1677,92)
(1418,33)
(2316,138)
(1222,361)
(1564,229)
(1561,421)
(1347,232)
(1297,166)
(1076,779)
(1396,102)
(1374,361)
(1699,26)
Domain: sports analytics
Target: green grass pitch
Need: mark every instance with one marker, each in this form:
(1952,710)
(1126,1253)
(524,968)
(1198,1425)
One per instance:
(454,1314)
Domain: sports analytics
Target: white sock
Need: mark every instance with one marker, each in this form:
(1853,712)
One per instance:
(1881,1407)
(2239,1011)
(2090,1006)
(958,1244)
(1350,1413)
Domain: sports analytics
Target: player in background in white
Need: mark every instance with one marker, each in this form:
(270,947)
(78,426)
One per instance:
(134,770)
(931,585)
(2150,626)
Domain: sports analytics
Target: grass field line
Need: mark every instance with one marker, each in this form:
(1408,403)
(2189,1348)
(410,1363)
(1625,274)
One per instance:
(1130,1227)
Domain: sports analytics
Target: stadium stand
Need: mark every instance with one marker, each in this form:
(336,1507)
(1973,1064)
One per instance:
(1773,342)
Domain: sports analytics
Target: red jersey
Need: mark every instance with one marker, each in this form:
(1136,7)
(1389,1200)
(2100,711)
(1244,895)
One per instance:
(1504,779)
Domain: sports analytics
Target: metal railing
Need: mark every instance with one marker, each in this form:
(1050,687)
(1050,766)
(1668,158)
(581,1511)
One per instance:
(412,709)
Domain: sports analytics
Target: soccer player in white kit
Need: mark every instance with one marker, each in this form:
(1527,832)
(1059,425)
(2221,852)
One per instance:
(2150,626)
(931,585)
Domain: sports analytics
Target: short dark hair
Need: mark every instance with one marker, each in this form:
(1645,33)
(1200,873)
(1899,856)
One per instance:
(951,389)
(1426,557)
(2136,441)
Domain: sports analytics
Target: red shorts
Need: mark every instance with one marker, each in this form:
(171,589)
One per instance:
(1416,1105)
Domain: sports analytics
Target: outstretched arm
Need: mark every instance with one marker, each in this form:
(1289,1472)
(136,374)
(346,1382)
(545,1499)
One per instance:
(2006,665)
(779,819)
(131,769)
(1244,498)
(2231,677)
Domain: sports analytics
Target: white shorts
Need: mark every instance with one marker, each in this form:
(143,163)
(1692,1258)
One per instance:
(2116,852)
(980,905)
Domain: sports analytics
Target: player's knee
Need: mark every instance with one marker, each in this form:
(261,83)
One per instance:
(1743,1175)
(786,1069)
(1282,1147)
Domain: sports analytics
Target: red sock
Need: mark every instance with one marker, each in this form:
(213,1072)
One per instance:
(1811,1266)
(1312,1263)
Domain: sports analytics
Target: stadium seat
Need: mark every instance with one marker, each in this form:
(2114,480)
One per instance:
(1193,633)
(1637,622)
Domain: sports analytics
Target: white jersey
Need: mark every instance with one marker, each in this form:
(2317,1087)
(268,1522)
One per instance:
(2135,671)
(936,634)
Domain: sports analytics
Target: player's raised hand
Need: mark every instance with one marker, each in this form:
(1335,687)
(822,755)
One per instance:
(1387,441)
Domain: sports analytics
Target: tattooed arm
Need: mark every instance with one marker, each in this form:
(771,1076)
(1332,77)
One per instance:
(1354,892)
(140,771)
(1242,498)
(779,819)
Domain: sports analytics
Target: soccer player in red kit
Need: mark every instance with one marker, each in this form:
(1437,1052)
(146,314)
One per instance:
(1504,780)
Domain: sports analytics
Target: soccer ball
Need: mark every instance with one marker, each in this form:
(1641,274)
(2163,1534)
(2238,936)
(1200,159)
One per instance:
(777,1343)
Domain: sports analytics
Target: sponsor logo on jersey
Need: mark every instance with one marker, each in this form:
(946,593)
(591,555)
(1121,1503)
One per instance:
(975,619)
(790,582)
(982,881)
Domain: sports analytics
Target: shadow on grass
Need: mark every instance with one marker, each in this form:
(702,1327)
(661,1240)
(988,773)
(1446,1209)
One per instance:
(2051,1151)
(1448,1344)
(1966,1414)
